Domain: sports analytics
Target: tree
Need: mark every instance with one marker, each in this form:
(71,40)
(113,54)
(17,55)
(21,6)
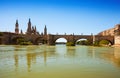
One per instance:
(22,41)
(96,43)
(104,42)
(84,42)
(70,44)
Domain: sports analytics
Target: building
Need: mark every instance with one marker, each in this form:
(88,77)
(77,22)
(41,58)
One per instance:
(31,35)
(111,32)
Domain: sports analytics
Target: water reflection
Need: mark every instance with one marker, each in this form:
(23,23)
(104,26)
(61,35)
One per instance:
(51,59)
(31,57)
(16,62)
(109,54)
(61,49)
(71,52)
(117,56)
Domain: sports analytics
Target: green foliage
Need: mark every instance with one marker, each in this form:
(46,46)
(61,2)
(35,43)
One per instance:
(26,43)
(22,41)
(96,43)
(104,42)
(84,42)
(70,44)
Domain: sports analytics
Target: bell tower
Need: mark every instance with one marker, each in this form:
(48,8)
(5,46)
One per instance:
(29,27)
(45,35)
(17,27)
(45,30)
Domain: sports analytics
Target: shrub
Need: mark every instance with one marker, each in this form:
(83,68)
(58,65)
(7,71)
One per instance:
(25,43)
(104,42)
(96,43)
(84,42)
(70,44)
(22,41)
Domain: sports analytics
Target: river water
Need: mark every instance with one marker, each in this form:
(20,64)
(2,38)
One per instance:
(59,61)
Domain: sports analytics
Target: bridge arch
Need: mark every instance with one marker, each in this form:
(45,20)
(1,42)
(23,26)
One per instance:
(83,41)
(110,42)
(108,38)
(61,41)
(88,38)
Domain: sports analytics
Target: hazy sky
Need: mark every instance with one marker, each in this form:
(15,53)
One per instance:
(60,16)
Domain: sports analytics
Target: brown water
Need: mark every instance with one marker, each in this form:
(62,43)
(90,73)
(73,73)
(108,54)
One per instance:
(59,62)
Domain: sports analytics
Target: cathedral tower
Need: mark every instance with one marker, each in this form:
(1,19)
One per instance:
(29,27)
(17,27)
(45,35)
(45,30)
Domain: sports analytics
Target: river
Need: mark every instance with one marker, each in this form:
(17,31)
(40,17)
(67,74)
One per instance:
(59,61)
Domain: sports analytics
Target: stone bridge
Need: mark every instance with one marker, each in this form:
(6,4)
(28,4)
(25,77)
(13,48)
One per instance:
(74,38)
(50,39)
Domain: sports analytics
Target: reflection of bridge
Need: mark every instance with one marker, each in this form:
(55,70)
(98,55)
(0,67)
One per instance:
(73,38)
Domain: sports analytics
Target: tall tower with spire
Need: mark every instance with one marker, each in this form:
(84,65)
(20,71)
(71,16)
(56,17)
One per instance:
(45,30)
(17,27)
(45,35)
(29,27)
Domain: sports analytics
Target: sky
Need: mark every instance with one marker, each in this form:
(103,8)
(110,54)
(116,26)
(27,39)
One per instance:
(60,16)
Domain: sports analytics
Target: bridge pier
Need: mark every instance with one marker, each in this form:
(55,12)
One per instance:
(117,40)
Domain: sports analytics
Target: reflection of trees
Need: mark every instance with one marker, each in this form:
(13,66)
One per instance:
(34,52)
(16,58)
(16,61)
(31,57)
(45,57)
(91,52)
(70,52)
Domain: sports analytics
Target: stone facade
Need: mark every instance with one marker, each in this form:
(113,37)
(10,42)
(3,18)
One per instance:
(117,40)
(111,32)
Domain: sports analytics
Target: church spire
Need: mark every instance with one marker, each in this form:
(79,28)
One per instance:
(45,35)
(29,27)
(29,21)
(17,27)
(21,31)
(17,21)
(45,30)
(35,29)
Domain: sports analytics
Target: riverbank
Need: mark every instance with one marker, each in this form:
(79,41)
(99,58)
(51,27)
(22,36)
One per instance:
(117,45)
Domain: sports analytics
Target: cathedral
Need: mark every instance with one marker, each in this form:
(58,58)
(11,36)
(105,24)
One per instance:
(31,30)
(31,36)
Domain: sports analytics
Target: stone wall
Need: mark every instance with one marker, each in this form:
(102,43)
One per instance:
(117,40)
(111,32)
